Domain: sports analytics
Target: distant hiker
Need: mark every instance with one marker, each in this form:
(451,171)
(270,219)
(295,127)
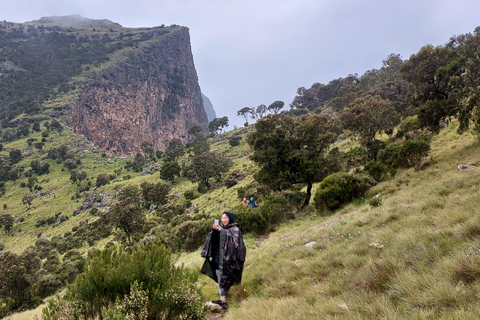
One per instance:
(244,202)
(252,203)
(224,254)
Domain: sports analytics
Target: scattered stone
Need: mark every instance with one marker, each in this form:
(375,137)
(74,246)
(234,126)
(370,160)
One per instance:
(376,245)
(153,208)
(463,167)
(312,244)
(361,223)
(214,308)
(425,163)
(148,239)
(298,263)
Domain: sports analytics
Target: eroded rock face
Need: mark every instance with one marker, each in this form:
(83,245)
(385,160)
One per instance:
(150,95)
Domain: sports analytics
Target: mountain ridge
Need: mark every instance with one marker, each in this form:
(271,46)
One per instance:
(54,61)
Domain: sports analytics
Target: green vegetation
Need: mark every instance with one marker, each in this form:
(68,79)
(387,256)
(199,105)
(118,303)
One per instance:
(144,283)
(390,234)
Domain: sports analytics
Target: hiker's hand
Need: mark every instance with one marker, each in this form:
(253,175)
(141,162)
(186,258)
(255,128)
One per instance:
(216,227)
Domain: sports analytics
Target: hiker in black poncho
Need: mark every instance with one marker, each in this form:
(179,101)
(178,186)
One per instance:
(225,254)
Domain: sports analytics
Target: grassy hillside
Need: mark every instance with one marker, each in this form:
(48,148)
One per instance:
(414,256)
(60,195)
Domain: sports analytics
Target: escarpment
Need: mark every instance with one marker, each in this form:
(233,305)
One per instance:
(150,94)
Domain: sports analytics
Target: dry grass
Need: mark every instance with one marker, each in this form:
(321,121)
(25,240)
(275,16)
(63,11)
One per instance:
(416,256)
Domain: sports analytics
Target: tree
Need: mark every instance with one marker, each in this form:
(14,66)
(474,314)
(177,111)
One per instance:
(244,112)
(466,86)
(139,162)
(200,143)
(6,221)
(36,126)
(276,106)
(27,199)
(261,110)
(147,148)
(366,117)
(77,177)
(17,275)
(155,193)
(40,167)
(217,124)
(55,125)
(175,150)
(206,166)
(195,130)
(126,214)
(70,164)
(102,179)
(169,170)
(15,155)
(32,181)
(293,151)
(429,73)
(39,145)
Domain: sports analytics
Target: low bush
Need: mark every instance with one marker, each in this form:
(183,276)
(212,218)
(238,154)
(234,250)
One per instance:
(340,188)
(251,220)
(193,233)
(190,194)
(167,291)
(234,140)
(377,169)
(405,155)
(276,209)
(230,182)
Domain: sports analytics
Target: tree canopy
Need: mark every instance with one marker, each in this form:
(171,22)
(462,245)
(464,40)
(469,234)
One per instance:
(126,214)
(293,150)
(206,166)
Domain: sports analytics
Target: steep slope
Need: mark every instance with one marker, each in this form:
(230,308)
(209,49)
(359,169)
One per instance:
(208,108)
(153,95)
(116,86)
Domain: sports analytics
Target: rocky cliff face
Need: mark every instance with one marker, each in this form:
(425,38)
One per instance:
(151,94)
(209,108)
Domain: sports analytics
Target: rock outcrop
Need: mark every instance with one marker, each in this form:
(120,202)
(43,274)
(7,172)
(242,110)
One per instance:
(209,108)
(151,94)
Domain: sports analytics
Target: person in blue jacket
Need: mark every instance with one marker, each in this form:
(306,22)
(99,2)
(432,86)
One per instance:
(252,203)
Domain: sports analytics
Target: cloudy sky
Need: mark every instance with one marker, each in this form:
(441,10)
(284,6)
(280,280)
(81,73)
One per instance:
(252,52)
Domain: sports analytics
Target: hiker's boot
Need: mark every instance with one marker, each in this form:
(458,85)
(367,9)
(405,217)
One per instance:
(224,305)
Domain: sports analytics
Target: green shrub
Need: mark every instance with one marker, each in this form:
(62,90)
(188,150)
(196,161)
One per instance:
(405,155)
(190,195)
(363,183)
(166,291)
(340,188)
(47,286)
(355,156)
(202,188)
(132,306)
(193,233)
(230,182)
(276,209)
(375,201)
(377,169)
(251,220)
(241,192)
(235,140)
(334,191)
